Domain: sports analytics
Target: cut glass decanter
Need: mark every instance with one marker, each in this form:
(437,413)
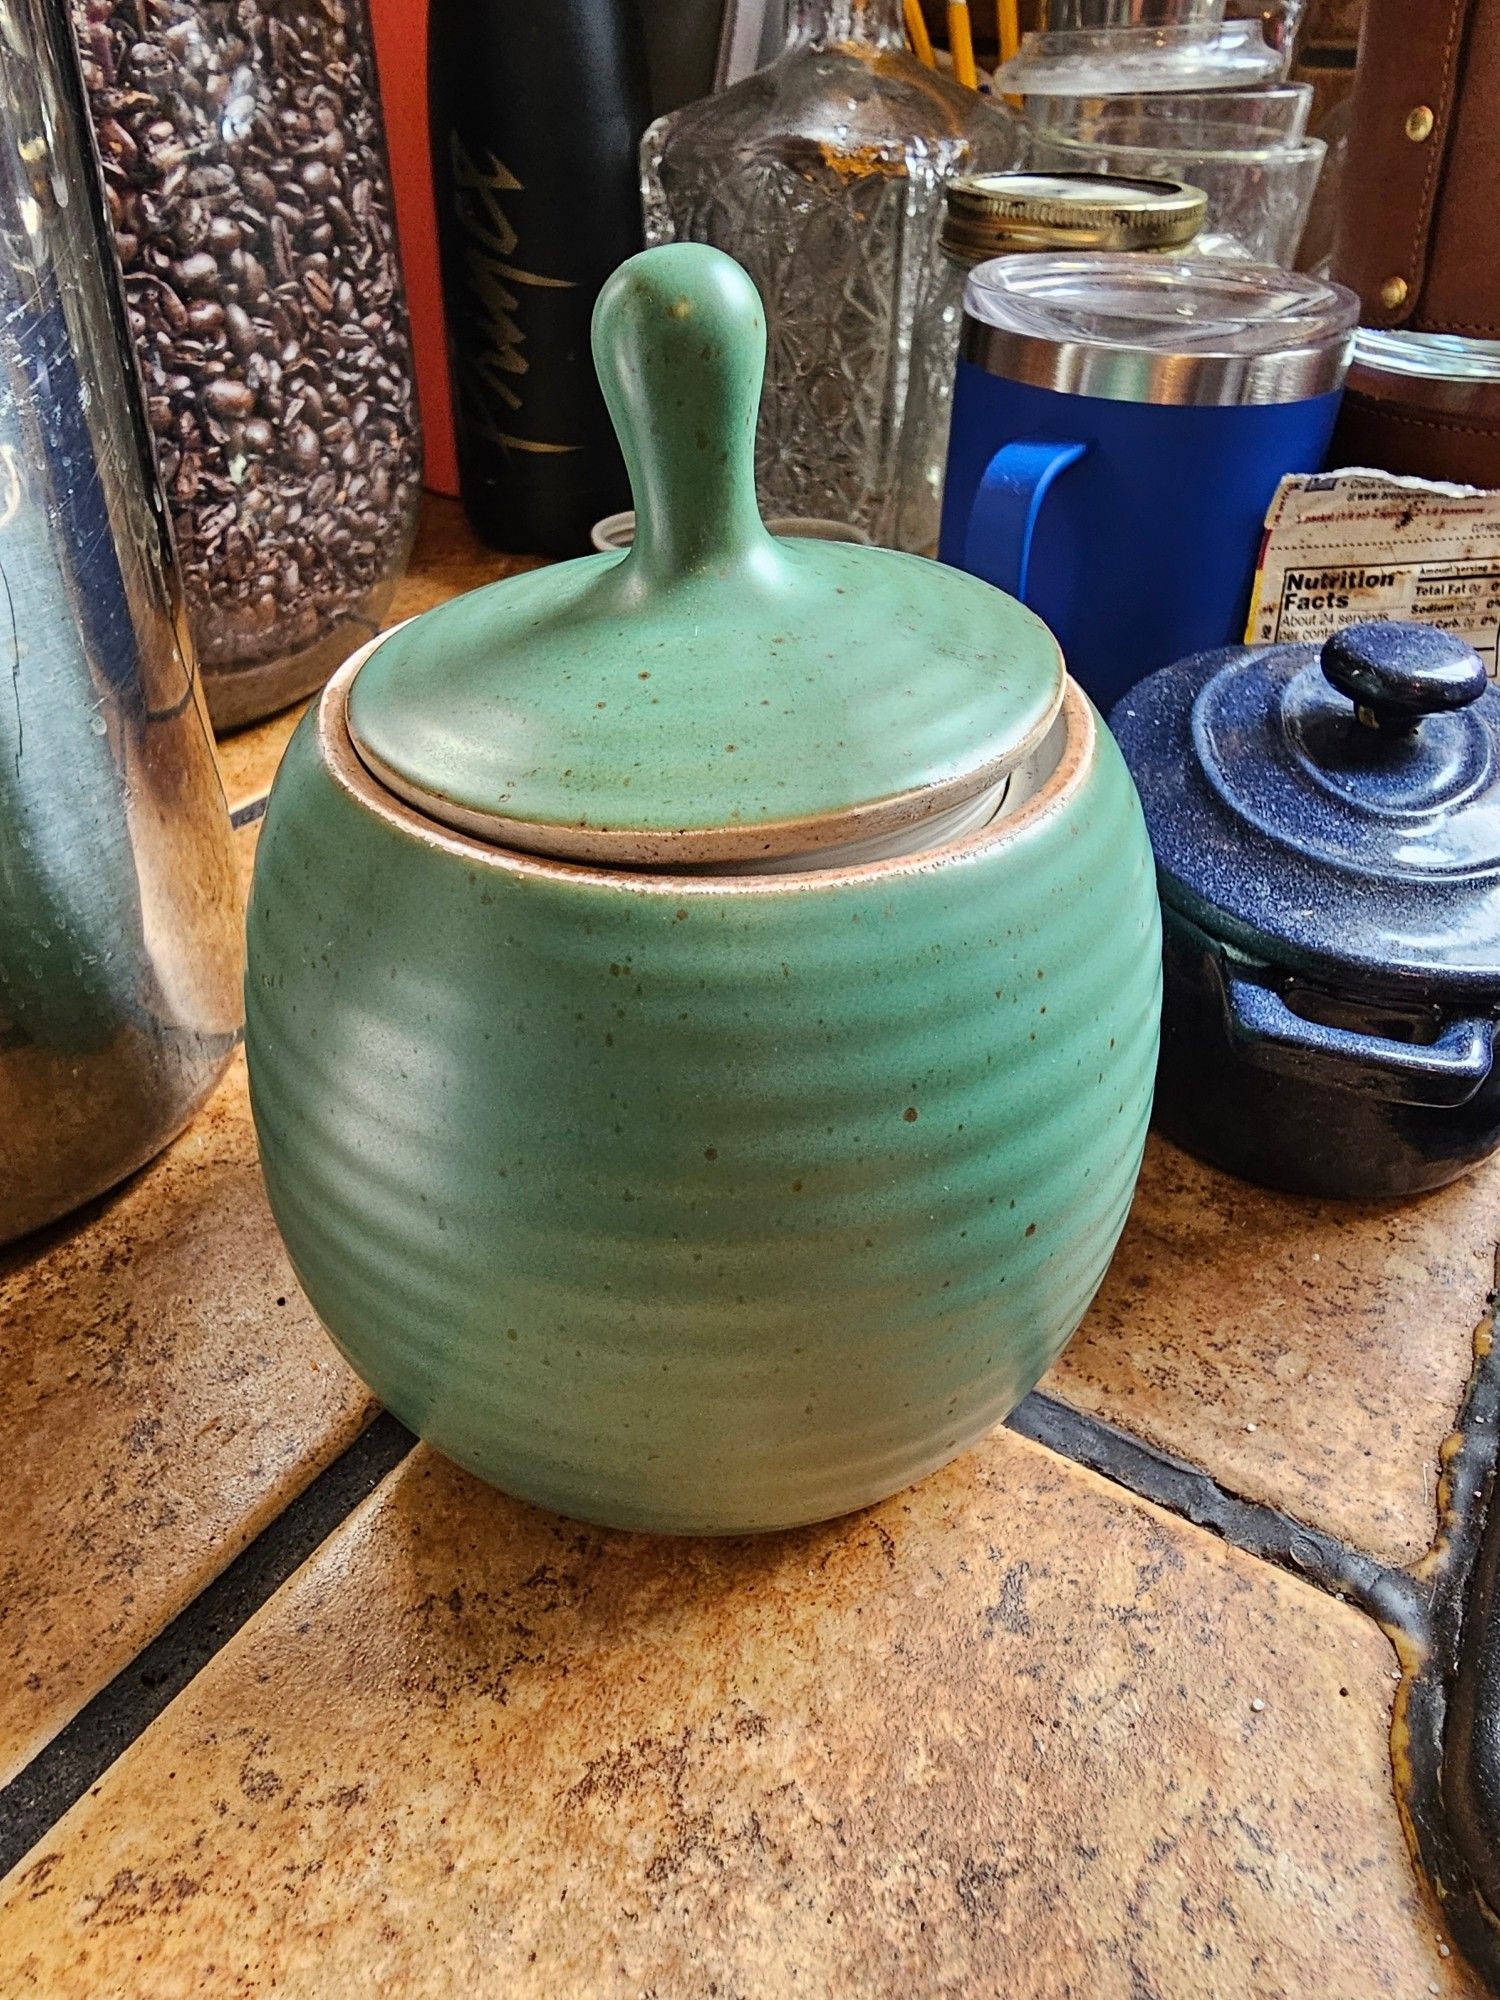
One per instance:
(823,174)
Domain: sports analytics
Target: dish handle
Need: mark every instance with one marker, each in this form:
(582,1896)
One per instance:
(1443,1073)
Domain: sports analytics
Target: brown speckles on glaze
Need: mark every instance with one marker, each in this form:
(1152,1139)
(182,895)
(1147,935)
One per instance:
(994,1737)
(1309,1354)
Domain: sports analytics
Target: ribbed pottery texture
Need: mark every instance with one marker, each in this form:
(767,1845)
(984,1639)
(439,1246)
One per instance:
(688,1204)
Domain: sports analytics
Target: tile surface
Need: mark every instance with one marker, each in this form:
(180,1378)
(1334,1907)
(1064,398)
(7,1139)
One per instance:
(164,1390)
(448,558)
(248,759)
(1012,1733)
(1308,1354)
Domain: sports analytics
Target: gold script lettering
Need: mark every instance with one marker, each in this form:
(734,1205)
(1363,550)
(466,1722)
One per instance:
(492,369)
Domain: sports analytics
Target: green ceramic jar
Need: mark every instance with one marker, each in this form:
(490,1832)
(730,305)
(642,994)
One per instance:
(702,1004)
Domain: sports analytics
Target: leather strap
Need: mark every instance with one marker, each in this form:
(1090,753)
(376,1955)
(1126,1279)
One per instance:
(1422,438)
(1419,223)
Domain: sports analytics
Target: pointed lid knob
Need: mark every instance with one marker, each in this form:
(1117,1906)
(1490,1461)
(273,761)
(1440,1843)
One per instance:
(715,694)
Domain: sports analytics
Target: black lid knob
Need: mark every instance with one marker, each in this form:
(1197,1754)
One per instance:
(1395,673)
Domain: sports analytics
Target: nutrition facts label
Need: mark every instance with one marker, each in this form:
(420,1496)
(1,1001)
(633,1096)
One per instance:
(1340,546)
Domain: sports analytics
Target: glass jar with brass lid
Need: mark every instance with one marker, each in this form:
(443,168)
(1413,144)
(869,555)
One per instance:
(992,215)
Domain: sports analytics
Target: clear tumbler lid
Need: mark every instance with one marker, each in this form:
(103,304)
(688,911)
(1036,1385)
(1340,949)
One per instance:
(1139,330)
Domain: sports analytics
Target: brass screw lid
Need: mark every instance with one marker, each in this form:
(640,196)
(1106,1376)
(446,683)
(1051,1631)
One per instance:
(990,214)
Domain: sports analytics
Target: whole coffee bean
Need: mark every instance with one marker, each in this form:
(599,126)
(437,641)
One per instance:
(198,273)
(249,271)
(240,329)
(303,448)
(172,310)
(282,256)
(205,316)
(146,61)
(229,398)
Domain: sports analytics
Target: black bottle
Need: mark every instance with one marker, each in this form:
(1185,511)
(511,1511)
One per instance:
(537,109)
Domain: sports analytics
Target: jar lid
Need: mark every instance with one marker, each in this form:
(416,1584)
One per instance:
(1148,330)
(715,694)
(1124,61)
(1440,357)
(987,214)
(1336,810)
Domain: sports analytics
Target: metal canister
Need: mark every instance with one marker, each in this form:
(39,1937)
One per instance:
(119,909)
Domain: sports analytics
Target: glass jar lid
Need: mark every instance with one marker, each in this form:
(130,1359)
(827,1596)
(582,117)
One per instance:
(1443,357)
(1143,330)
(716,694)
(1112,62)
(988,214)
(1337,810)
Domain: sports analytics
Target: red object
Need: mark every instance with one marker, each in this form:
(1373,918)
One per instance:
(401,57)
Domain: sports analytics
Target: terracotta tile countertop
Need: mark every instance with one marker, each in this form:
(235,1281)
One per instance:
(1104,1709)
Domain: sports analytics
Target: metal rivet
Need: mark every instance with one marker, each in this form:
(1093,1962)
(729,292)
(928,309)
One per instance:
(1419,122)
(1393,293)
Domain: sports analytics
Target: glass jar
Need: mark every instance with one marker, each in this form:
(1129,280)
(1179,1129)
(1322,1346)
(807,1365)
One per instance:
(824,174)
(1259,190)
(1266,113)
(991,215)
(245,168)
(1423,404)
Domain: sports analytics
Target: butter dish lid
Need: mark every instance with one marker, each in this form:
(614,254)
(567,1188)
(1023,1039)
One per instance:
(714,694)
(1337,808)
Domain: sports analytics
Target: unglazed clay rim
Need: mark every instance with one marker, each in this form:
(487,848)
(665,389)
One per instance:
(620,849)
(346,767)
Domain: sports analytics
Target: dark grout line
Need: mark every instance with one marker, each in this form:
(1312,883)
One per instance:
(1423,1613)
(37,1797)
(249,812)
(1389,1595)
(1447,1724)
(1442,1617)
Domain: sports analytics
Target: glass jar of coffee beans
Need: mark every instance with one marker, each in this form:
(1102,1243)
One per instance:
(246,173)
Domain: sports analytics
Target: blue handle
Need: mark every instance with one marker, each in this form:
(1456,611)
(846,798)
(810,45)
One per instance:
(1444,1072)
(1007,501)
